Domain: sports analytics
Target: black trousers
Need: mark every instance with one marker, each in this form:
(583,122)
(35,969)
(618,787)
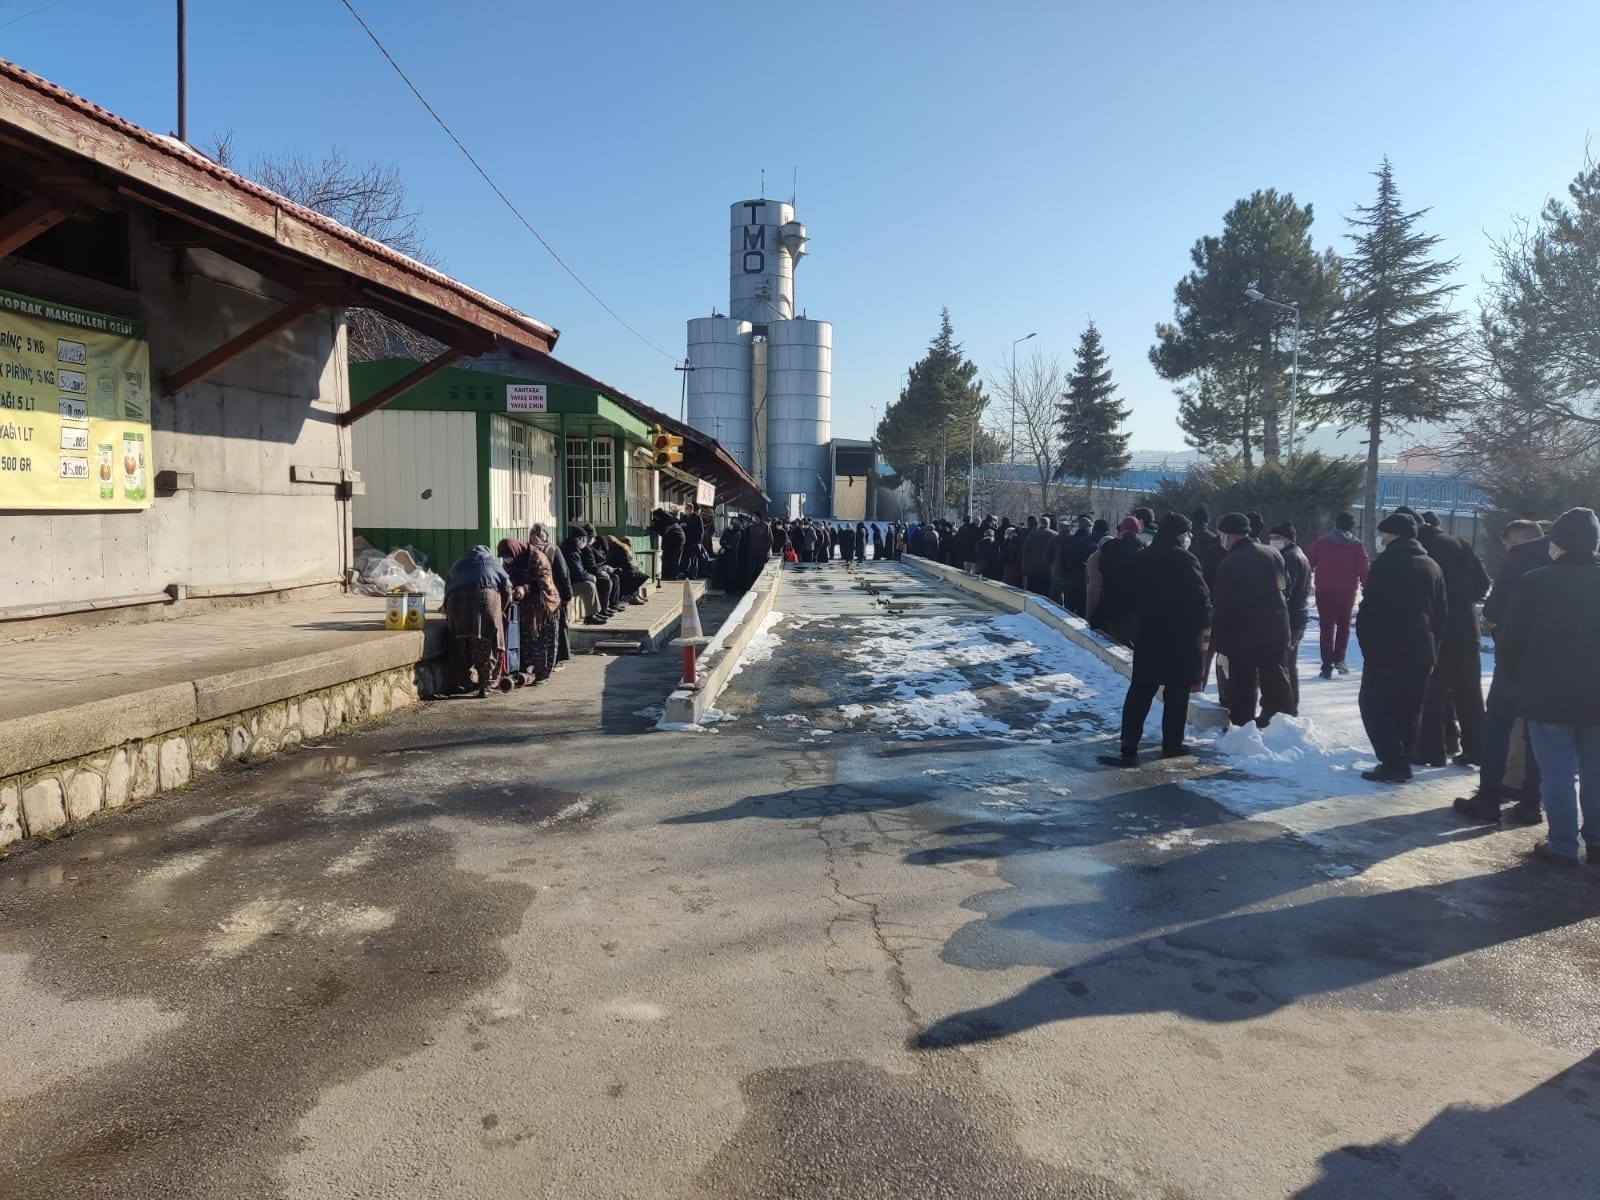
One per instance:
(1456,685)
(1291,664)
(1391,708)
(1149,678)
(1039,585)
(1252,676)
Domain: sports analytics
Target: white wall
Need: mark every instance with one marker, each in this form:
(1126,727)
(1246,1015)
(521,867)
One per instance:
(542,485)
(245,523)
(402,454)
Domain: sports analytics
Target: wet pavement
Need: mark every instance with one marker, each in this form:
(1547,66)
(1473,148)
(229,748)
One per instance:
(888,931)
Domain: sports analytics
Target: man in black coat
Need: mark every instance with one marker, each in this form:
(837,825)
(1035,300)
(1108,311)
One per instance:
(1204,543)
(847,542)
(1457,682)
(693,544)
(1174,611)
(1038,549)
(1298,568)
(1250,624)
(1401,623)
(671,539)
(861,541)
(1527,549)
(1550,645)
(756,551)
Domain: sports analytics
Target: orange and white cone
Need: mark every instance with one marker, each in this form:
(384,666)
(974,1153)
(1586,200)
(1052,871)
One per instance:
(690,627)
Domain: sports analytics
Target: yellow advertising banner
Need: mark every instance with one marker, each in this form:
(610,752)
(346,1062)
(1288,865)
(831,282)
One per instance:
(74,408)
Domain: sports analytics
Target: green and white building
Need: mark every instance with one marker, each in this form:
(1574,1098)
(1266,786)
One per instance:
(475,454)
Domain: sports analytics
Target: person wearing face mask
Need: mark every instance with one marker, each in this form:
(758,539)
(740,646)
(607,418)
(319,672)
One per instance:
(1298,570)
(1250,625)
(1550,648)
(1399,627)
(1174,611)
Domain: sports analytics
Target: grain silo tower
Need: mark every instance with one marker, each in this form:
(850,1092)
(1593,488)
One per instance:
(762,383)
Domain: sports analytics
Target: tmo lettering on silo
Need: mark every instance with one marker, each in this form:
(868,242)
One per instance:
(755,240)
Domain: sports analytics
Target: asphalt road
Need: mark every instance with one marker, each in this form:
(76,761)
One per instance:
(846,945)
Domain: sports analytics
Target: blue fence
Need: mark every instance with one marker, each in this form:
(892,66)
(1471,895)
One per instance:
(1440,493)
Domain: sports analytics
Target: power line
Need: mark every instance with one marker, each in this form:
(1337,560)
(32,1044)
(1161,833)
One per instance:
(32,12)
(495,187)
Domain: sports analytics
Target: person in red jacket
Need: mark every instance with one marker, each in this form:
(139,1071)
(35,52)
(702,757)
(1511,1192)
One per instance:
(1339,568)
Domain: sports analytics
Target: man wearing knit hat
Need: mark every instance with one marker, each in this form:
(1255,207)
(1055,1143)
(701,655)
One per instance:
(1400,626)
(1250,624)
(1550,646)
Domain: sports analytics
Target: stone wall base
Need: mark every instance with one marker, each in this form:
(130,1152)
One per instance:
(46,801)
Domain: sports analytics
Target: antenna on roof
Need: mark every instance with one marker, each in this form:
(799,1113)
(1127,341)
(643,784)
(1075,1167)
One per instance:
(794,188)
(763,183)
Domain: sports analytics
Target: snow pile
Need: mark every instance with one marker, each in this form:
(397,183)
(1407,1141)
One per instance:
(932,674)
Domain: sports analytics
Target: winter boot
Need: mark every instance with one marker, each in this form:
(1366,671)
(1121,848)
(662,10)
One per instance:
(1341,668)
(1387,773)
(1479,807)
(1526,812)
(1327,670)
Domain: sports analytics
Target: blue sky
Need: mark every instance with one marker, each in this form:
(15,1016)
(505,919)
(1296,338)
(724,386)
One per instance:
(1029,165)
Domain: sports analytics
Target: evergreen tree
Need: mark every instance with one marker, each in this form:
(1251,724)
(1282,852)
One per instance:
(1265,243)
(1396,349)
(931,427)
(1092,446)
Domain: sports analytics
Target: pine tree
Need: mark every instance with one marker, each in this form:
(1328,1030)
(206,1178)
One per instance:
(1265,243)
(1092,447)
(1396,349)
(932,424)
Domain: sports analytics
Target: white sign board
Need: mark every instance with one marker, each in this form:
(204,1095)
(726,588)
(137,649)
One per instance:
(705,494)
(526,397)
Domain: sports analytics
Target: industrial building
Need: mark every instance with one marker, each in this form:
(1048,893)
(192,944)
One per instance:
(761,378)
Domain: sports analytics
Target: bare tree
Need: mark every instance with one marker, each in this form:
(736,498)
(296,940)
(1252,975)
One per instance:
(1036,390)
(369,198)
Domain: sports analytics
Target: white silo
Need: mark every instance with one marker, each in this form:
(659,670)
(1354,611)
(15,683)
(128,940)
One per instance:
(719,386)
(762,379)
(766,243)
(799,410)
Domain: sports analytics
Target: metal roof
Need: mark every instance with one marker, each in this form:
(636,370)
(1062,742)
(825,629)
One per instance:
(175,178)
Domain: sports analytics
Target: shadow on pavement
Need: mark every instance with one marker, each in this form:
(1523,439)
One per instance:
(1522,1148)
(1245,965)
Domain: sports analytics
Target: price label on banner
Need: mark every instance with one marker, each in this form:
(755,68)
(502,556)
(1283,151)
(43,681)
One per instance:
(74,408)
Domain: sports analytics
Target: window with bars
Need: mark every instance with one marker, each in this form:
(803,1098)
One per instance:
(577,479)
(602,482)
(591,480)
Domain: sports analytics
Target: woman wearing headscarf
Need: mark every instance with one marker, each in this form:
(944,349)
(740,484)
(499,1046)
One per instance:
(1010,555)
(476,598)
(534,590)
(539,537)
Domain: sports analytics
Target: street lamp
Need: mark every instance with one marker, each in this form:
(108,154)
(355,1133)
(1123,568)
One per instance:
(1014,346)
(1254,295)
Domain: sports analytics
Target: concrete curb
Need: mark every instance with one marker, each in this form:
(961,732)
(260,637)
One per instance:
(1203,714)
(685,707)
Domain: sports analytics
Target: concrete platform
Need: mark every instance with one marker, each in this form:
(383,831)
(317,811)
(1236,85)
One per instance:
(108,716)
(649,626)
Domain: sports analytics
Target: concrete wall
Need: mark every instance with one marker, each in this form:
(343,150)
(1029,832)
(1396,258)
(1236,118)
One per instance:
(245,523)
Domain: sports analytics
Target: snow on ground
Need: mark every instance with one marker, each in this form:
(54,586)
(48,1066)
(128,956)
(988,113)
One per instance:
(1305,774)
(761,645)
(1002,676)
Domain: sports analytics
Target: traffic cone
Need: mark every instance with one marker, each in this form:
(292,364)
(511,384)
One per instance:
(690,627)
(690,637)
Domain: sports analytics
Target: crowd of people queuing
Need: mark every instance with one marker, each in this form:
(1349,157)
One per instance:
(509,610)
(1189,599)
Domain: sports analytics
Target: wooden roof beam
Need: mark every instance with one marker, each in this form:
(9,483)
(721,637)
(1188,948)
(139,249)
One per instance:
(423,373)
(27,221)
(209,364)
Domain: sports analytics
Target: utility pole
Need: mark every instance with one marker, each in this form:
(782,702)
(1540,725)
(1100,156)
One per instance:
(683,399)
(183,70)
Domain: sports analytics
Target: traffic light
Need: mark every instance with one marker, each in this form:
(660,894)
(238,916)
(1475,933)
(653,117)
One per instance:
(667,448)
